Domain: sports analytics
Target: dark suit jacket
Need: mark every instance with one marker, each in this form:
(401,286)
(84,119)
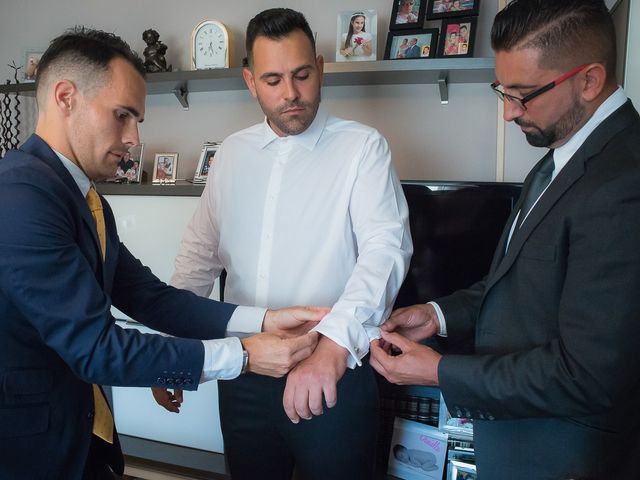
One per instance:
(412,52)
(57,335)
(555,382)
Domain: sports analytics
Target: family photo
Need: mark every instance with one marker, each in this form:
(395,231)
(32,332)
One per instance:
(420,44)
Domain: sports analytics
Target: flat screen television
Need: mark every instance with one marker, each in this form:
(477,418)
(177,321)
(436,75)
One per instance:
(455,227)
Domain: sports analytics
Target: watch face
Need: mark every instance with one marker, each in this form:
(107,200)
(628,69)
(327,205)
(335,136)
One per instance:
(210,46)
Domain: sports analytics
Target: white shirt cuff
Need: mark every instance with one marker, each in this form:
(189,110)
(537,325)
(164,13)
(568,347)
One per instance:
(222,359)
(245,320)
(348,333)
(443,325)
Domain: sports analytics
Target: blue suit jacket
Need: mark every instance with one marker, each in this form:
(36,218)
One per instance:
(57,335)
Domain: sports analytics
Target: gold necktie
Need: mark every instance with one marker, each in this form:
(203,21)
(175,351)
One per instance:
(102,420)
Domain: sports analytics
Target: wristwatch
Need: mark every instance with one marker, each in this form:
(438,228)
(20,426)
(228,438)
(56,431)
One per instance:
(245,361)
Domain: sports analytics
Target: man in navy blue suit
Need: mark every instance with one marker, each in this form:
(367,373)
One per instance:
(62,266)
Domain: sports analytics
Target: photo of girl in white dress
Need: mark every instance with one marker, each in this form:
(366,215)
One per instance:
(358,43)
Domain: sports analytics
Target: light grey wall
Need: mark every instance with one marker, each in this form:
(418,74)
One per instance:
(428,140)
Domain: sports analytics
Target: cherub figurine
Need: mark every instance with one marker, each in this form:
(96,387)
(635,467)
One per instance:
(154,60)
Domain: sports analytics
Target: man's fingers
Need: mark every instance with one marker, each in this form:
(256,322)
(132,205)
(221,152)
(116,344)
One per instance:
(177,393)
(301,403)
(396,340)
(315,314)
(287,403)
(315,400)
(302,346)
(330,394)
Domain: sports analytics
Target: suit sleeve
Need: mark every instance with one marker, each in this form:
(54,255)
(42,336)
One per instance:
(47,276)
(589,363)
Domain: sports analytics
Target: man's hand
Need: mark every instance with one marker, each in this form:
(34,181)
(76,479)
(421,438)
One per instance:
(415,365)
(293,321)
(315,378)
(274,356)
(170,401)
(416,322)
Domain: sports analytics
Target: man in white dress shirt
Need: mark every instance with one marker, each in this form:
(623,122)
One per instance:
(304,208)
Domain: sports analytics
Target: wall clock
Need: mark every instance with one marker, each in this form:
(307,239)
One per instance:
(209,46)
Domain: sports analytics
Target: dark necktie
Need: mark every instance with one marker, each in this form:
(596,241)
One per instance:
(102,420)
(539,182)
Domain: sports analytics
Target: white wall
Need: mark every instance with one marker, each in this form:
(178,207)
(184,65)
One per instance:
(429,140)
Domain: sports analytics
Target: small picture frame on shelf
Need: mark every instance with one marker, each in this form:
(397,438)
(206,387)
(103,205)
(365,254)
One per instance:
(209,150)
(130,166)
(411,44)
(457,37)
(452,8)
(31,61)
(356,40)
(407,14)
(417,451)
(457,470)
(165,167)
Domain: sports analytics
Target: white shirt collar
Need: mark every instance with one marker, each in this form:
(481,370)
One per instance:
(308,139)
(563,154)
(83,182)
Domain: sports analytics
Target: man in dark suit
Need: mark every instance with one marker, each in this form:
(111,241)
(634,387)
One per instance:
(554,384)
(62,266)
(414,50)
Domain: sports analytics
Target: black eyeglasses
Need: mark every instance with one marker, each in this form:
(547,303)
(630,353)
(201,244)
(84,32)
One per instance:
(522,102)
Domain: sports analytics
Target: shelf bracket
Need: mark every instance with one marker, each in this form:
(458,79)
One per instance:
(444,88)
(182,92)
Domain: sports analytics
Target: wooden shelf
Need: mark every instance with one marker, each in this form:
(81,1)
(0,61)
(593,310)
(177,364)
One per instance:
(440,71)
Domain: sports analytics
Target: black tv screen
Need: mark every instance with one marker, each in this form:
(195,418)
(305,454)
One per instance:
(455,227)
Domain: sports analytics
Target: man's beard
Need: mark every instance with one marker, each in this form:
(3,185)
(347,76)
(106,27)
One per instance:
(293,125)
(559,131)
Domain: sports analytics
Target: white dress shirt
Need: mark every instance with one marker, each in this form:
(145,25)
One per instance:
(561,157)
(317,218)
(223,357)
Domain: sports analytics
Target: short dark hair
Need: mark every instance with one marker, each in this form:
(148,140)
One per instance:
(568,33)
(276,23)
(85,49)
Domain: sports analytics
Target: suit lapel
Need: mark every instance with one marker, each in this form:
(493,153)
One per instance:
(572,171)
(38,148)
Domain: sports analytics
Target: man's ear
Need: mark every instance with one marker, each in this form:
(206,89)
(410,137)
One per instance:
(64,95)
(595,80)
(320,67)
(250,81)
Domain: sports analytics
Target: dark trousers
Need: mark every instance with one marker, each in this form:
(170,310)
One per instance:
(105,461)
(261,442)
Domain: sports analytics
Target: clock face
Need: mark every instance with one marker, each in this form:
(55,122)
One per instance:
(210,46)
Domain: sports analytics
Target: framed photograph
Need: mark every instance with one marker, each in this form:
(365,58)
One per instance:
(452,8)
(457,37)
(356,40)
(165,167)
(31,61)
(461,471)
(407,14)
(407,44)
(417,451)
(130,166)
(456,427)
(209,150)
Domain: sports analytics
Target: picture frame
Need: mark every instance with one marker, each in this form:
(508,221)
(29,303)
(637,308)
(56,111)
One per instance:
(209,150)
(130,166)
(407,14)
(417,451)
(457,37)
(165,168)
(31,61)
(411,44)
(437,9)
(457,470)
(456,427)
(357,36)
